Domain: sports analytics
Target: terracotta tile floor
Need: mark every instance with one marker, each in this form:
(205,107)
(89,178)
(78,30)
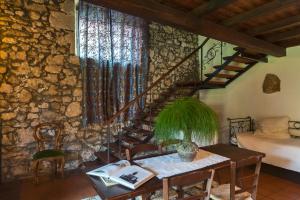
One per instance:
(77,186)
(274,188)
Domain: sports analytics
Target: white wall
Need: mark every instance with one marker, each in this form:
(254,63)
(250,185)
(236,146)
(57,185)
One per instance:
(216,99)
(244,96)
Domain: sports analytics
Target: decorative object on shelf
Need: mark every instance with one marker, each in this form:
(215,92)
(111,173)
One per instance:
(190,118)
(271,84)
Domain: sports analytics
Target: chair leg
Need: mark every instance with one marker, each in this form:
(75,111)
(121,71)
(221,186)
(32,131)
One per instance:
(55,167)
(180,192)
(35,167)
(62,166)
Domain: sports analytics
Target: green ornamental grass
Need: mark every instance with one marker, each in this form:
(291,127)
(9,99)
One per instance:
(188,115)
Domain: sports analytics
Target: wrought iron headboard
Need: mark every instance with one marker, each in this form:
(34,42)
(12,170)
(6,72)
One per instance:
(238,125)
(247,124)
(294,125)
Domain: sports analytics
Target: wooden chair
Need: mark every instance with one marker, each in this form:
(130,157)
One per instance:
(145,149)
(142,149)
(246,181)
(187,179)
(45,134)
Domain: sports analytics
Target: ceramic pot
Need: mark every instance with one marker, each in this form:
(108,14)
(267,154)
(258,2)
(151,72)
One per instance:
(187,151)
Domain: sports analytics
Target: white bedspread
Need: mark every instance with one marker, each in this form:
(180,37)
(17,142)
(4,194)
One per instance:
(283,153)
(170,164)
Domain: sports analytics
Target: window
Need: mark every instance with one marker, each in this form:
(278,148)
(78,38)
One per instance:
(114,58)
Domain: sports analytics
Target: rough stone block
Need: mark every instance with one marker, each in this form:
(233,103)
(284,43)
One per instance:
(2,69)
(73,109)
(8,116)
(55,69)
(3,55)
(25,96)
(6,88)
(9,40)
(25,136)
(55,60)
(60,20)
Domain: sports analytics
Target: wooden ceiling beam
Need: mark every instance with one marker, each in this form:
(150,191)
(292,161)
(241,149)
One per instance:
(152,11)
(284,35)
(290,43)
(210,7)
(259,11)
(275,26)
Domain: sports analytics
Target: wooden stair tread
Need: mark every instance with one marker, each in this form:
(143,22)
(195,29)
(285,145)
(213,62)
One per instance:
(165,94)
(147,122)
(228,76)
(103,157)
(161,107)
(230,68)
(216,82)
(90,165)
(129,140)
(255,58)
(239,59)
(137,130)
(141,138)
(238,49)
(189,83)
(252,54)
(210,86)
(152,109)
(114,147)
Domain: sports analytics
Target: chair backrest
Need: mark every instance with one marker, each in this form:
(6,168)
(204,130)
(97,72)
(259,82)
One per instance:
(247,177)
(48,133)
(187,179)
(141,148)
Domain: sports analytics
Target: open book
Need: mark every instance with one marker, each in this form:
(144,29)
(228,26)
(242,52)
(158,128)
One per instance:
(131,176)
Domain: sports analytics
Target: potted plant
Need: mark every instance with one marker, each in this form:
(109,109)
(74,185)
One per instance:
(186,119)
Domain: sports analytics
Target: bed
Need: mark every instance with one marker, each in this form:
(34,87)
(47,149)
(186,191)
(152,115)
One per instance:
(283,152)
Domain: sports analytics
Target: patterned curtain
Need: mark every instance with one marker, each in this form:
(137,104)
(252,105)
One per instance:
(114,59)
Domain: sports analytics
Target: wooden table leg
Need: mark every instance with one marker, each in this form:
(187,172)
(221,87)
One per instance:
(257,172)
(232,180)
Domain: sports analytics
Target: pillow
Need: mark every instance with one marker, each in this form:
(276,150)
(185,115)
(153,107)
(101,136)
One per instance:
(274,125)
(294,132)
(272,135)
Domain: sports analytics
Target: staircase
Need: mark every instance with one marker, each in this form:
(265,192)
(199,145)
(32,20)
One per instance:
(140,129)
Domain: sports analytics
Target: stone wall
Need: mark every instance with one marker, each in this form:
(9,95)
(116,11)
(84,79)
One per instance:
(40,81)
(40,78)
(168,46)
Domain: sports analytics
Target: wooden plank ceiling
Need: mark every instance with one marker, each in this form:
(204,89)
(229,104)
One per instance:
(263,26)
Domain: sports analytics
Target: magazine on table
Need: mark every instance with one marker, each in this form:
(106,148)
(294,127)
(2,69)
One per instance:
(122,172)
(107,181)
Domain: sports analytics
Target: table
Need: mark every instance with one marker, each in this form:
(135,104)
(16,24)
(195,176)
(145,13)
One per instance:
(118,192)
